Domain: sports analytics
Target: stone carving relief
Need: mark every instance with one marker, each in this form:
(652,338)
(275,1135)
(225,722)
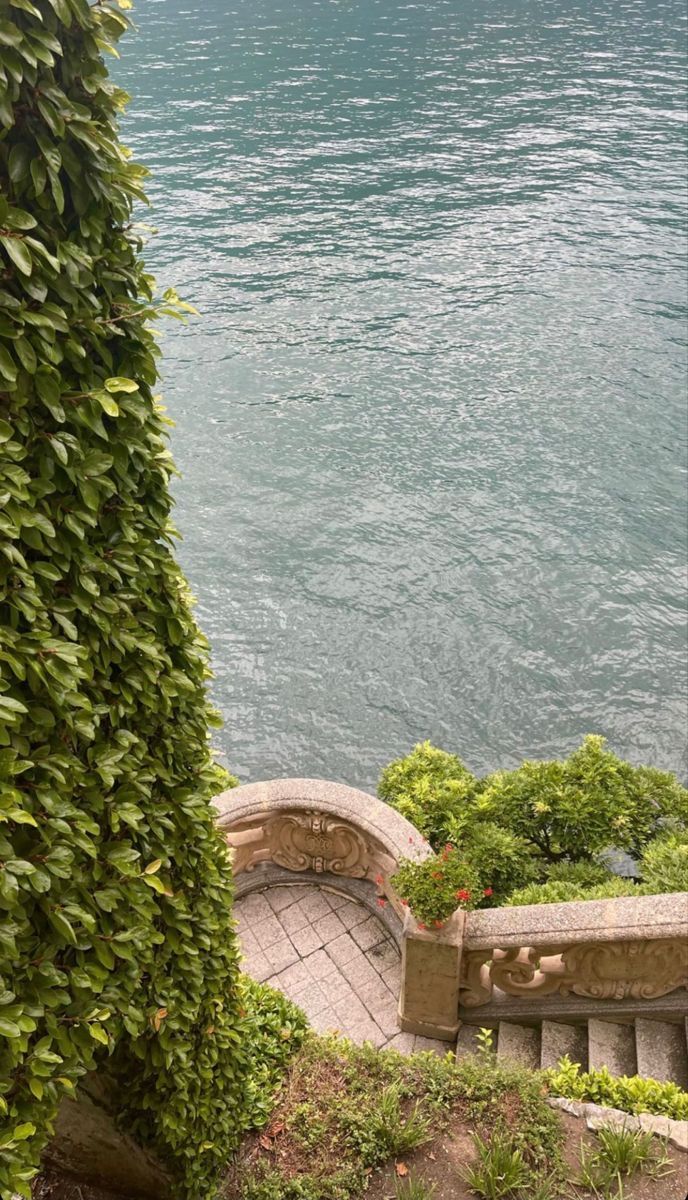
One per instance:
(315,842)
(308,841)
(642,970)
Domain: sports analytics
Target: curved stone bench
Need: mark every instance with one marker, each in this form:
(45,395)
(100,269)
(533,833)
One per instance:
(288,831)
(322,832)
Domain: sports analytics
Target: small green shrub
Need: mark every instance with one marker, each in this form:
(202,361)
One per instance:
(500,1170)
(664,865)
(503,860)
(432,789)
(532,835)
(574,808)
(275,1028)
(558,893)
(413,1189)
(585,874)
(383,1132)
(632,1094)
(433,889)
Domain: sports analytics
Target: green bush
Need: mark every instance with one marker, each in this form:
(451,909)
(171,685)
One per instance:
(575,808)
(433,889)
(432,789)
(557,892)
(274,1029)
(664,865)
(629,1093)
(585,873)
(116,939)
(534,835)
(502,859)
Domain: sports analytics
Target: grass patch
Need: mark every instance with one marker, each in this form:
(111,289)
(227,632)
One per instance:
(346,1111)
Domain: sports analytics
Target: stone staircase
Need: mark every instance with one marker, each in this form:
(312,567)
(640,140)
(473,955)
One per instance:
(652,1048)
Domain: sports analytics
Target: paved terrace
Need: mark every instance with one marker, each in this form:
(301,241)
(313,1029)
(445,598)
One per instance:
(329,955)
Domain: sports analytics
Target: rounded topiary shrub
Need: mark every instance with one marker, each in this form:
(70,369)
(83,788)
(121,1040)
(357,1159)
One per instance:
(116,939)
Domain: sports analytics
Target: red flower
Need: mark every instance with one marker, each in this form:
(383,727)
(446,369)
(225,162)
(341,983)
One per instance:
(382,902)
(463,894)
(487,892)
(448,848)
(405,903)
(379,880)
(421,925)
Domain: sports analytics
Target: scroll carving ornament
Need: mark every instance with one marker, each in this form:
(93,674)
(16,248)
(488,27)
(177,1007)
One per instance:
(642,970)
(307,841)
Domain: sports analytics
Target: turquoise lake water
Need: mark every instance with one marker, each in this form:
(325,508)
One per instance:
(432,420)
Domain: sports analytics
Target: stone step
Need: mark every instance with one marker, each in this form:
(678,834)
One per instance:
(559,1039)
(519,1043)
(661,1051)
(467,1041)
(611,1045)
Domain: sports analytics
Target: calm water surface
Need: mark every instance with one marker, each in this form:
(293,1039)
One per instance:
(432,422)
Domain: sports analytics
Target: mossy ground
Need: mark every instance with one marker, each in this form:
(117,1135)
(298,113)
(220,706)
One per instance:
(347,1119)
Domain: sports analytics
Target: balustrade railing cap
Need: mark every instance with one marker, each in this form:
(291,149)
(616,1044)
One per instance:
(624,918)
(401,839)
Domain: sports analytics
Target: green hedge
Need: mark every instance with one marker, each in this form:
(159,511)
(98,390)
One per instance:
(629,1093)
(539,833)
(115,890)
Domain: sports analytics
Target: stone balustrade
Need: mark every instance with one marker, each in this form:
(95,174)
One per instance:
(624,956)
(619,957)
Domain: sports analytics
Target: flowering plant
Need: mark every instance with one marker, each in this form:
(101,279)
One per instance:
(433,889)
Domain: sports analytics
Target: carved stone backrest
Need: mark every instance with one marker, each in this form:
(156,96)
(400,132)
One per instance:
(313,825)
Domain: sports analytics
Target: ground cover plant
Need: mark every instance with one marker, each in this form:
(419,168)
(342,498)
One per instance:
(116,937)
(351,1121)
(630,1093)
(540,833)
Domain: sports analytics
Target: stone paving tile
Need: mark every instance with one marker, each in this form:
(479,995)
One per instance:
(329,928)
(294,918)
(315,905)
(281,955)
(253,908)
(343,949)
(307,940)
(312,1000)
(403,1042)
(267,932)
(320,965)
(294,979)
(367,935)
(329,955)
(384,955)
(282,897)
(352,914)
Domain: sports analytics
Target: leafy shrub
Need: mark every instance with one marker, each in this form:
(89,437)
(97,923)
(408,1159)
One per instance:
(533,835)
(555,892)
(586,874)
(629,1093)
(664,865)
(115,931)
(432,789)
(584,804)
(500,1168)
(274,1029)
(502,859)
(433,889)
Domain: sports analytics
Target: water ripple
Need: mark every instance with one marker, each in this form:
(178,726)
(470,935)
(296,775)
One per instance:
(432,422)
